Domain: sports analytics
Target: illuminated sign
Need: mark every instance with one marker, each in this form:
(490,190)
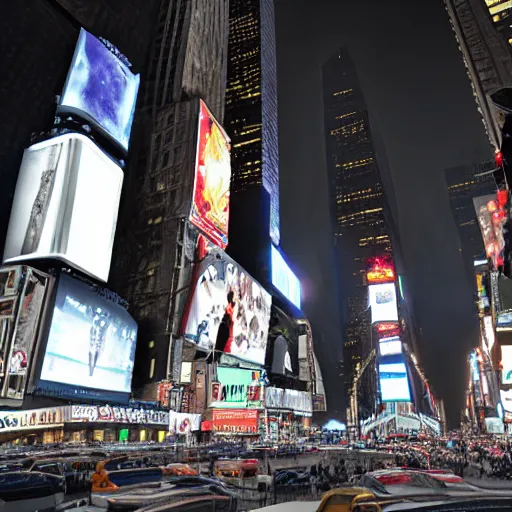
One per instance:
(284,279)
(91,342)
(506,361)
(383,302)
(489,332)
(65,205)
(225,291)
(388,329)
(101,88)
(236,421)
(210,204)
(32,419)
(475,371)
(504,321)
(380,271)
(506,399)
(394,384)
(236,388)
(390,346)
(116,414)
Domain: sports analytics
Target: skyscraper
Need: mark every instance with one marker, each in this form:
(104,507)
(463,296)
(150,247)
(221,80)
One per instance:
(251,110)
(464,183)
(487,56)
(359,206)
(501,15)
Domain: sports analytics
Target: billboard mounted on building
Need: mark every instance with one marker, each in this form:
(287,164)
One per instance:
(228,311)
(394,382)
(65,205)
(210,201)
(284,279)
(101,89)
(90,347)
(383,303)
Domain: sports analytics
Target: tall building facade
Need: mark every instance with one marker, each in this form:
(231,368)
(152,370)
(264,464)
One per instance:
(359,207)
(501,15)
(464,183)
(486,54)
(154,249)
(251,109)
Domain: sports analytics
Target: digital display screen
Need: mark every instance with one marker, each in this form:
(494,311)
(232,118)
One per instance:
(383,302)
(506,361)
(229,310)
(101,89)
(390,346)
(91,342)
(284,279)
(65,205)
(394,384)
(210,204)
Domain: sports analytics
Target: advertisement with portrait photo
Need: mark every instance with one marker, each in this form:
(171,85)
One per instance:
(229,311)
(210,204)
(91,342)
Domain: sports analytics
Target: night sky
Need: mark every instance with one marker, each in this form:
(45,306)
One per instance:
(420,100)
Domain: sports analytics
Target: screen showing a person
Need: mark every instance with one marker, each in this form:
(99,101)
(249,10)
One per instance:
(91,342)
(101,88)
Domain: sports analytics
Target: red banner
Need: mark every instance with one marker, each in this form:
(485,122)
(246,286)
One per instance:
(236,421)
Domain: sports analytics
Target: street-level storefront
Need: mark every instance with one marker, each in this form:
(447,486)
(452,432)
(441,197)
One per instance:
(79,423)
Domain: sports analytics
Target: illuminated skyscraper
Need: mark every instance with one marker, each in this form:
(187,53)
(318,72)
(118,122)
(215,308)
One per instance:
(464,183)
(251,106)
(486,54)
(501,15)
(360,211)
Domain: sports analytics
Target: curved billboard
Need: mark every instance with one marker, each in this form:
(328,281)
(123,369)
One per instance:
(101,88)
(229,311)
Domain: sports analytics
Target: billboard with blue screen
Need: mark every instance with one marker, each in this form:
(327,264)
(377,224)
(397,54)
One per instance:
(284,279)
(394,384)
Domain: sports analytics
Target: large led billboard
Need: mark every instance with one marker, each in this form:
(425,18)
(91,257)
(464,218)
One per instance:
(210,203)
(229,311)
(394,384)
(390,346)
(506,361)
(91,343)
(65,205)
(383,302)
(284,279)
(101,88)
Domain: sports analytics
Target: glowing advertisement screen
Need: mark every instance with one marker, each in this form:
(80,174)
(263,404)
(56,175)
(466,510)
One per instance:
(229,311)
(506,360)
(284,279)
(101,89)
(91,342)
(65,205)
(390,346)
(210,204)
(394,384)
(383,302)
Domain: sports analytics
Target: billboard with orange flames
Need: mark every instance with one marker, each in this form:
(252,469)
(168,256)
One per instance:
(210,203)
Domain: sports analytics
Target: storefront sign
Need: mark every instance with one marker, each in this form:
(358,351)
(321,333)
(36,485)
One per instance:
(33,419)
(274,398)
(163,392)
(182,423)
(108,414)
(235,421)
(206,426)
(236,388)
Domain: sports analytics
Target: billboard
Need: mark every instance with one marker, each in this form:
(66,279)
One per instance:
(284,279)
(387,329)
(383,302)
(91,342)
(380,270)
(23,292)
(236,388)
(235,422)
(210,201)
(65,205)
(229,311)
(390,346)
(118,414)
(506,361)
(394,384)
(101,89)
